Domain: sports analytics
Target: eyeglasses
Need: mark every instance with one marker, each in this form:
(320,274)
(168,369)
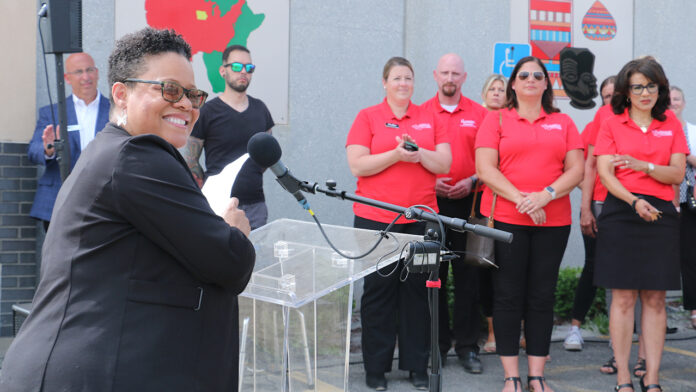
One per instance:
(524,75)
(637,89)
(237,67)
(80,72)
(173,92)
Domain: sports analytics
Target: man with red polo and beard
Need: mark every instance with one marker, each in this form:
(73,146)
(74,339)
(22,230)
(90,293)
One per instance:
(224,128)
(454,197)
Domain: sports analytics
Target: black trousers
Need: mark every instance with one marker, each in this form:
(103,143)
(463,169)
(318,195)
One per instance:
(391,309)
(586,290)
(525,286)
(687,223)
(466,314)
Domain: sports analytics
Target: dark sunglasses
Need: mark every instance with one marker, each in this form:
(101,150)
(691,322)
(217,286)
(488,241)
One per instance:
(173,92)
(524,75)
(237,67)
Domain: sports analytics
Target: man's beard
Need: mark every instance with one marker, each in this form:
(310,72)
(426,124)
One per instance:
(449,89)
(238,87)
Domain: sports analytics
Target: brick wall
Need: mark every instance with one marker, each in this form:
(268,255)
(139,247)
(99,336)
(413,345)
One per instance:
(18,231)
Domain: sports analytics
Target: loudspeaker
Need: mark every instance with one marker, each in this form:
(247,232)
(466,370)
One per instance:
(62,27)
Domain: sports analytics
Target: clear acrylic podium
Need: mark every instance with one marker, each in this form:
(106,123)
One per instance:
(295,314)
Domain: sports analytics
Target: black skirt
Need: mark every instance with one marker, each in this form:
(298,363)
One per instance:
(634,254)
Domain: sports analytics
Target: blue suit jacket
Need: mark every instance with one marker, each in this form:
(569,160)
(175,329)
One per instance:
(50,182)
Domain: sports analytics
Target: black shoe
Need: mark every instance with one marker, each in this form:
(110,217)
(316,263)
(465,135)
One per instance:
(419,380)
(646,388)
(471,362)
(671,330)
(376,381)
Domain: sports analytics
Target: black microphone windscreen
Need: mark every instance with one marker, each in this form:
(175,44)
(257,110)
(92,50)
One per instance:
(264,149)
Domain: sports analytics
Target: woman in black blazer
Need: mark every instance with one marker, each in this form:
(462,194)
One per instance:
(140,278)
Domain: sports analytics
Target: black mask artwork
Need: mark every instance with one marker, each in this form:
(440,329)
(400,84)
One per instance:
(579,83)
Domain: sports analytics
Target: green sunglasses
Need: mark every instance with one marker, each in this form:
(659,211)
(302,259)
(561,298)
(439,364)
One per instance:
(237,67)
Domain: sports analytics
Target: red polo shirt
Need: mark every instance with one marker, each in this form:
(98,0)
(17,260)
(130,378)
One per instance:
(531,157)
(600,192)
(620,135)
(403,183)
(462,125)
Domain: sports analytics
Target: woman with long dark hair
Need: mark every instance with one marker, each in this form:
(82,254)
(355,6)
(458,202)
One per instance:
(530,156)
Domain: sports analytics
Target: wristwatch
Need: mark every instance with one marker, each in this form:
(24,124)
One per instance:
(651,167)
(552,191)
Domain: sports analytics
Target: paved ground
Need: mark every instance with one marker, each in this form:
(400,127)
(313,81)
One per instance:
(567,371)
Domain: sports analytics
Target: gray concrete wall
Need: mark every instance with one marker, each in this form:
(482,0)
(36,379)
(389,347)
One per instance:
(344,48)
(97,40)
(338,48)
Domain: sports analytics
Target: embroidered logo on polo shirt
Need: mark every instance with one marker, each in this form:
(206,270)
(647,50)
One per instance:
(551,127)
(467,123)
(421,126)
(661,133)
(391,125)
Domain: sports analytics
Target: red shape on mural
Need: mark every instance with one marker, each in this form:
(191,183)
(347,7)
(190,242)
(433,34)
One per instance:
(199,22)
(550,30)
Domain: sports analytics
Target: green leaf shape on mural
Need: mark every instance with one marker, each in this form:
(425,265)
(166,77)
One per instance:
(247,22)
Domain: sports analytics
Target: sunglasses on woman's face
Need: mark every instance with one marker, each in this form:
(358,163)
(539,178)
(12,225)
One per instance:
(173,92)
(524,75)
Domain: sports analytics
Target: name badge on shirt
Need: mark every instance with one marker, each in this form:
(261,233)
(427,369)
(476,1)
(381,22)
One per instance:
(75,127)
(391,125)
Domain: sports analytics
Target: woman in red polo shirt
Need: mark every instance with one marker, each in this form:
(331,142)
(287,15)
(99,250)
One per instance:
(530,155)
(641,154)
(387,171)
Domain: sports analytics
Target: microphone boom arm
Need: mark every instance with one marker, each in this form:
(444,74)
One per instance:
(410,213)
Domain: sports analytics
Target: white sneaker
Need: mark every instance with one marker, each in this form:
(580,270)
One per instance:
(573,342)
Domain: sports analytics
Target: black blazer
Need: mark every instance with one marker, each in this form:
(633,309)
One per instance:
(139,280)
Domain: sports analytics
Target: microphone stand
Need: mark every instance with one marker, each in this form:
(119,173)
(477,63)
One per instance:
(433,282)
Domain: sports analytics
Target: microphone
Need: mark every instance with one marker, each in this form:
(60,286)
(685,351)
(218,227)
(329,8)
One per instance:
(265,151)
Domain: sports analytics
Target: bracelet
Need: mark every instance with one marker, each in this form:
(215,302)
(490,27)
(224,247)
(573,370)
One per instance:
(633,204)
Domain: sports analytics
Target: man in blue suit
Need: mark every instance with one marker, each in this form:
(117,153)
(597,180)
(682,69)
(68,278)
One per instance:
(87,112)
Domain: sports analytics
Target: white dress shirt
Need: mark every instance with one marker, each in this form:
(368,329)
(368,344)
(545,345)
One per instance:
(86,118)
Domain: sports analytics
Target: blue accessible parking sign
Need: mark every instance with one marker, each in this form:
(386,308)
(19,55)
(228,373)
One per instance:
(506,55)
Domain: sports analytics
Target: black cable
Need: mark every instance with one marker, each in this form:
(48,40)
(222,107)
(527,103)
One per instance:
(48,85)
(383,234)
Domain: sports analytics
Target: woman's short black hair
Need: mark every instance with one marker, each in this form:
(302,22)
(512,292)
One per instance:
(128,57)
(653,71)
(546,98)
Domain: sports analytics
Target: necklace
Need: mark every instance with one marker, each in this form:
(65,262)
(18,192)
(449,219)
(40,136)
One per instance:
(642,125)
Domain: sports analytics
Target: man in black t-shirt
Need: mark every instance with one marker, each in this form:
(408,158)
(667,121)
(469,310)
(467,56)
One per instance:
(224,128)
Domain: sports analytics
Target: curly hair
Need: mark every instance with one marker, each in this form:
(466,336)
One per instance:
(653,71)
(127,60)
(546,98)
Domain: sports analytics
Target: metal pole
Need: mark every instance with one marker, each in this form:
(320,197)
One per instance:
(62,146)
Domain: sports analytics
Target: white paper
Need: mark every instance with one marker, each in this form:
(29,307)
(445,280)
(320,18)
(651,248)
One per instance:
(217,188)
